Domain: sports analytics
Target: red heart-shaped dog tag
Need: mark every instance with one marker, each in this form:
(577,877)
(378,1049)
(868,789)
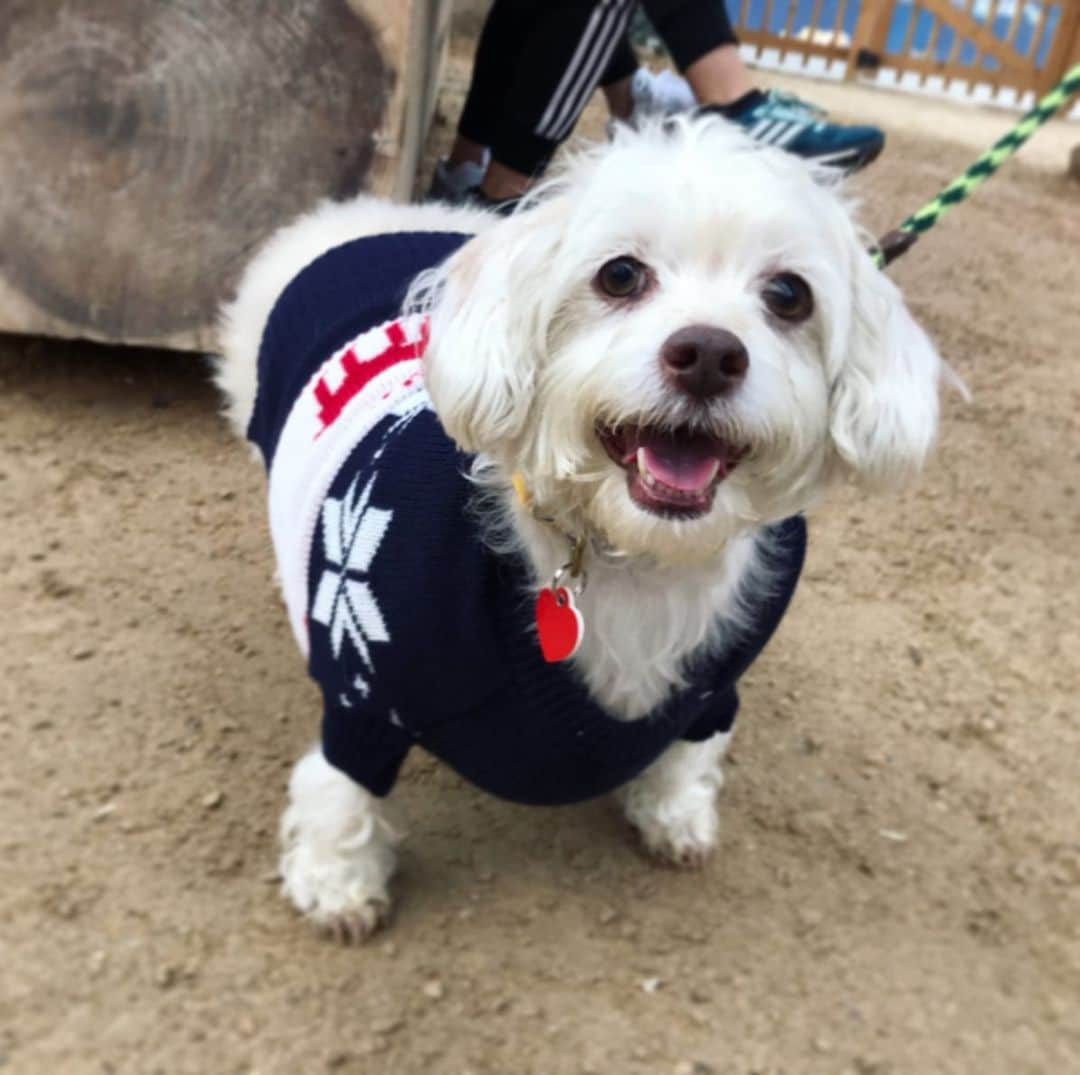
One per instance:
(558,623)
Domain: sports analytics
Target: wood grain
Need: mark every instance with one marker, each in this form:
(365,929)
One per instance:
(147,145)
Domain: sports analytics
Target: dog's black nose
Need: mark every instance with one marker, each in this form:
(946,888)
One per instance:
(704,361)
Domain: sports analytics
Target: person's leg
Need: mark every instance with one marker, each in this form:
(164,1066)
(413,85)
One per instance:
(462,169)
(566,50)
(617,78)
(538,63)
(700,39)
(719,76)
(497,52)
(702,43)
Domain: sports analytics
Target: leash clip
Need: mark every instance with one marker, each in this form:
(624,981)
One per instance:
(894,245)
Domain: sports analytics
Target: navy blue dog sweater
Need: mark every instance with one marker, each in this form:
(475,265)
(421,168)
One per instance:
(415,632)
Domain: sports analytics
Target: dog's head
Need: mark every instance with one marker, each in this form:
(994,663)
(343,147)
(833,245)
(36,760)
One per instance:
(681,336)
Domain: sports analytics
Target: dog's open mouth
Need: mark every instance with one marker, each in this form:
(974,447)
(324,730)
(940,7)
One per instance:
(672,473)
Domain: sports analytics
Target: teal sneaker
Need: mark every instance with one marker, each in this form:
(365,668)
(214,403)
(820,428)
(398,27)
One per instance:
(788,122)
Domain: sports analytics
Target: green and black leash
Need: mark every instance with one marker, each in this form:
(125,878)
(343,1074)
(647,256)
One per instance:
(900,241)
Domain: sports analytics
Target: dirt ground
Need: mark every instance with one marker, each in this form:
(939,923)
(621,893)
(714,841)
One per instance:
(898,885)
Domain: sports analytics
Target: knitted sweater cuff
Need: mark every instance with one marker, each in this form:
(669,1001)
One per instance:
(364,747)
(719,718)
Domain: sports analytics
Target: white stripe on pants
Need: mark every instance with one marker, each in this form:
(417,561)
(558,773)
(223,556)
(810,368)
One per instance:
(606,24)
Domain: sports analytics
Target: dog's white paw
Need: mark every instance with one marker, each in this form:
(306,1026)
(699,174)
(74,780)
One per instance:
(337,894)
(338,852)
(673,803)
(680,829)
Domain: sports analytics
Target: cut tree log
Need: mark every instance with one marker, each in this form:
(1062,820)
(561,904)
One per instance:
(147,146)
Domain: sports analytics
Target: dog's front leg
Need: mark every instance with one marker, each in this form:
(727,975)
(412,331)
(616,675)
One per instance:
(338,850)
(673,803)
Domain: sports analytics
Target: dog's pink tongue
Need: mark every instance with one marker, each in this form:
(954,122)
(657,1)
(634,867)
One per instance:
(687,464)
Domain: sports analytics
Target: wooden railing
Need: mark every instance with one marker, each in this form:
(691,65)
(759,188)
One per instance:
(1022,45)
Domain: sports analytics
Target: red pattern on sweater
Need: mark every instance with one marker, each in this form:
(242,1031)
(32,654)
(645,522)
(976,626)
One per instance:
(357,373)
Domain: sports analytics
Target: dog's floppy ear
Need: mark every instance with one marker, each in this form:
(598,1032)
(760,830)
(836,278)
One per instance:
(490,309)
(884,386)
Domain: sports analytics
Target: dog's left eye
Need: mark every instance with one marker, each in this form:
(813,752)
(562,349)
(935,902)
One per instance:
(622,277)
(788,297)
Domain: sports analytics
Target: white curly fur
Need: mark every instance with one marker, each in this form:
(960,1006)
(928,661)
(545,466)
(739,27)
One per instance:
(525,358)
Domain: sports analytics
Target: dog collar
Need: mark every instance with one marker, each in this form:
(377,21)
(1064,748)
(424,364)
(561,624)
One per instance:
(575,565)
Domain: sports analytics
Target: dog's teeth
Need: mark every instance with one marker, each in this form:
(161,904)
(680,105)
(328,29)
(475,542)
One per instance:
(652,482)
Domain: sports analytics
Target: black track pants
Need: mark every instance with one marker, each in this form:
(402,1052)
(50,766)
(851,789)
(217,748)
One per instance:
(539,61)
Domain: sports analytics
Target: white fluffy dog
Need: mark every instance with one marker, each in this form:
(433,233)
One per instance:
(677,343)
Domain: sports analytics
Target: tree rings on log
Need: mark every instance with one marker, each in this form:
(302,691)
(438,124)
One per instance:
(146,146)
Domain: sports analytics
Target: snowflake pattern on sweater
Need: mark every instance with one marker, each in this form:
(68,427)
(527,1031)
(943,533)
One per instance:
(352,531)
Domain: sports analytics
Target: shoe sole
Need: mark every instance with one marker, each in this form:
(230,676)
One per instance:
(854,159)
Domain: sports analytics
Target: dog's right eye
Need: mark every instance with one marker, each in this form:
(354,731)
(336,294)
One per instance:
(622,278)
